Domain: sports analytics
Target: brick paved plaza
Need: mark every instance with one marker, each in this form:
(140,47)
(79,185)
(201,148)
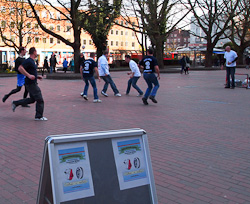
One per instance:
(198,134)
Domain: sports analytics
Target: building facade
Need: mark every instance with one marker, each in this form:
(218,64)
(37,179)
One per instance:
(120,40)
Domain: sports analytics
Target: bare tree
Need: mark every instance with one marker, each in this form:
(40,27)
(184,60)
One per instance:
(213,17)
(17,30)
(239,32)
(157,19)
(70,12)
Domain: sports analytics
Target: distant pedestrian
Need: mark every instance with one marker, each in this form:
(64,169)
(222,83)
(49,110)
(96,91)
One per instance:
(185,64)
(135,75)
(72,65)
(45,65)
(29,69)
(150,67)
(87,69)
(65,65)
(53,62)
(103,68)
(247,61)
(82,58)
(20,76)
(230,58)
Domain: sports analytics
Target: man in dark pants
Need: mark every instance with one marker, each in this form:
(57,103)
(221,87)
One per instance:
(230,57)
(29,69)
(20,77)
(150,66)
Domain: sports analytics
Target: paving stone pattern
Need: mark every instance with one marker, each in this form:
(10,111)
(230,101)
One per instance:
(198,134)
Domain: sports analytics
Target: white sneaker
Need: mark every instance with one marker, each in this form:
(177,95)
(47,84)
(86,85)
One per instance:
(42,118)
(118,94)
(103,93)
(82,94)
(85,97)
(97,101)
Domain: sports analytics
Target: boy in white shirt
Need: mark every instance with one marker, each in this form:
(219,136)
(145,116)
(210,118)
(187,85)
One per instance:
(135,75)
(103,68)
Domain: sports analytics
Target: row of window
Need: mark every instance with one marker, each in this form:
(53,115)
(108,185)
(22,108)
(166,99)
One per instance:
(122,32)
(178,40)
(176,45)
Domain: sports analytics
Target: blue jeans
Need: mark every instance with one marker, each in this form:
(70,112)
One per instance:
(51,69)
(93,84)
(150,80)
(108,80)
(133,81)
(230,71)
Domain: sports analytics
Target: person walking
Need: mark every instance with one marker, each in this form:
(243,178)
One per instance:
(247,61)
(185,64)
(45,65)
(20,77)
(103,68)
(65,65)
(230,58)
(88,67)
(135,75)
(72,65)
(29,69)
(53,63)
(149,65)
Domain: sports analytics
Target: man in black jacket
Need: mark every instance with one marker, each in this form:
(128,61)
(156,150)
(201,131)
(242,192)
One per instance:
(20,77)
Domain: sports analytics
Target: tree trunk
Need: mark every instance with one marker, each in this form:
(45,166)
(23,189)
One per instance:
(77,50)
(208,55)
(159,52)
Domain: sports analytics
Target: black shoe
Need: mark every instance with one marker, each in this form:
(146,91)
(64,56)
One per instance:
(4,98)
(26,106)
(13,106)
(144,100)
(232,87)
(153,99)
(227,87)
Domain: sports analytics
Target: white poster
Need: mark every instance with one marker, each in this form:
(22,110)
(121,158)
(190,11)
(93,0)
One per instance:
(130,162)
(73,173)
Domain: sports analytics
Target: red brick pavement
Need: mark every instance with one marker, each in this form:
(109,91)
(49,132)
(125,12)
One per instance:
(198,135)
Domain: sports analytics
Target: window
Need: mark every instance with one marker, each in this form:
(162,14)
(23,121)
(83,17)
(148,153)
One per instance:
(68,29)
(126,33)
(28,39)
(44,14)
(111,43)
(90,42)
(51,15)
(58,28)
(121,22)
(51,27)
(175,35)
(36,40)
(117,32)
(112,32)
(3,9)
(51,40)
(133,23)
(126,44)
(133,44)
(29,13)
(116,43)
(121,32)
(179,40)
(36,26)
(121,43)
(28,25)
(44,40)
(12,24)
(84,42)
(133,34)
(126,23)
(58,41)
(58,16)
(116,21)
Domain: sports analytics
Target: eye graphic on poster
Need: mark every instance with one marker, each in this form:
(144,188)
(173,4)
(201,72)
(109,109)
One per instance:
(69,174)
(137,163)
(128,164)
(79,172)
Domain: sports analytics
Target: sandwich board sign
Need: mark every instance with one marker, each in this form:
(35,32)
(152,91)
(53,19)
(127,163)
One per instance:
(107,167)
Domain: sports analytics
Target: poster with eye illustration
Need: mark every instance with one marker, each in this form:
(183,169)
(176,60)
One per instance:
(73,172)
(130,162)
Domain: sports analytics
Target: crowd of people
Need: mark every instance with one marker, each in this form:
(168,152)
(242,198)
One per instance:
(27,76)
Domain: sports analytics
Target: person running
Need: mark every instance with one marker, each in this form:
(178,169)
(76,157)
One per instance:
(20,77)
(29,69)
(149,65)
(135,75)
(88,67)
(230,58)
(103,68)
